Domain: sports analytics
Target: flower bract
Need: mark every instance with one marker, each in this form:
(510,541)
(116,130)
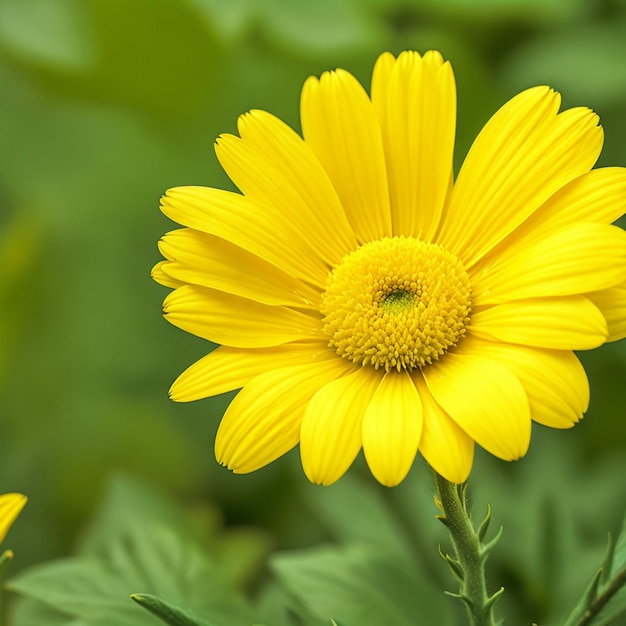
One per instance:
(367,298)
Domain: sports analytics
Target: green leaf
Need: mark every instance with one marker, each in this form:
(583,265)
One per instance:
(354,511)
(553,529)
(497,10)
(230,19)
(348,26)
(360,585)
(140,544)
(129,502)
(112,51)
(604,599)
(616,606)
(584,63)
(30,612)
(168,613)
(81,588)
(53,33)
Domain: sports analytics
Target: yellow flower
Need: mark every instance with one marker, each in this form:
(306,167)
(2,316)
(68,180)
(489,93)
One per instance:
(364,299)
(10,506)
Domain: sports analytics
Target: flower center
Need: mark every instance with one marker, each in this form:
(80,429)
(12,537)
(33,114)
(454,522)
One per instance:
(397,303)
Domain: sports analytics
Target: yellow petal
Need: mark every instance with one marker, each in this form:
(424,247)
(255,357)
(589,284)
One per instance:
(554,380)
(160,275)
(415,99)
(233,321)
(568,323)
(598,196)
(444,445)
(572,260)
(392,427)
(279,180)
(331,434)
(299,184)
(227,368)
(10,506)
(523,155)
(201,259)
(612,304)
(259,228)
(341,127)
(263,421)
(485,399)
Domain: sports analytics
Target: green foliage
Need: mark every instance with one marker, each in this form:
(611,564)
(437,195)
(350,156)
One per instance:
(106,103)
(360,585)
(142,544)
(378,565)
(168,613)
(604,599)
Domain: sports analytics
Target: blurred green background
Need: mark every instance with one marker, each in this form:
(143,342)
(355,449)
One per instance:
(104,104)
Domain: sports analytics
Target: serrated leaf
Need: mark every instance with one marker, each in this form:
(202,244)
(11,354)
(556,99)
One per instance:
(142,544)
(355,512)
(360,585)
(127,503)
(81,588)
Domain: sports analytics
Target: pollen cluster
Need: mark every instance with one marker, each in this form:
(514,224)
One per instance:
(396,303)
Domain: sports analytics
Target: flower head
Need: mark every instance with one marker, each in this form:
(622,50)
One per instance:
(10,506)
(364,298)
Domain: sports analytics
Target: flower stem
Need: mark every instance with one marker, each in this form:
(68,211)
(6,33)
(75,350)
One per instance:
(471,553)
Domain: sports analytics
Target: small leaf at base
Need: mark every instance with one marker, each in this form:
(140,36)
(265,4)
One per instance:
(168,613)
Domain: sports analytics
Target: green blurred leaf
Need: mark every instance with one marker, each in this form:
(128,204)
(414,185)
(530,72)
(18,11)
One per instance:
(142,54)
(616,606)
(498,10)
(132,504)
(230,19)
(54,33)
(20,253)
(360,585)
(323,26)
(81,588)
(554,530)
(604,599)
(355,512)
(141,544)
(168,613)
(129,503)
(585,63)
(30,612)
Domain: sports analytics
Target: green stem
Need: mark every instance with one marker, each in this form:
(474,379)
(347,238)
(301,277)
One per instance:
(470,553)
(618,581)
(5,558)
